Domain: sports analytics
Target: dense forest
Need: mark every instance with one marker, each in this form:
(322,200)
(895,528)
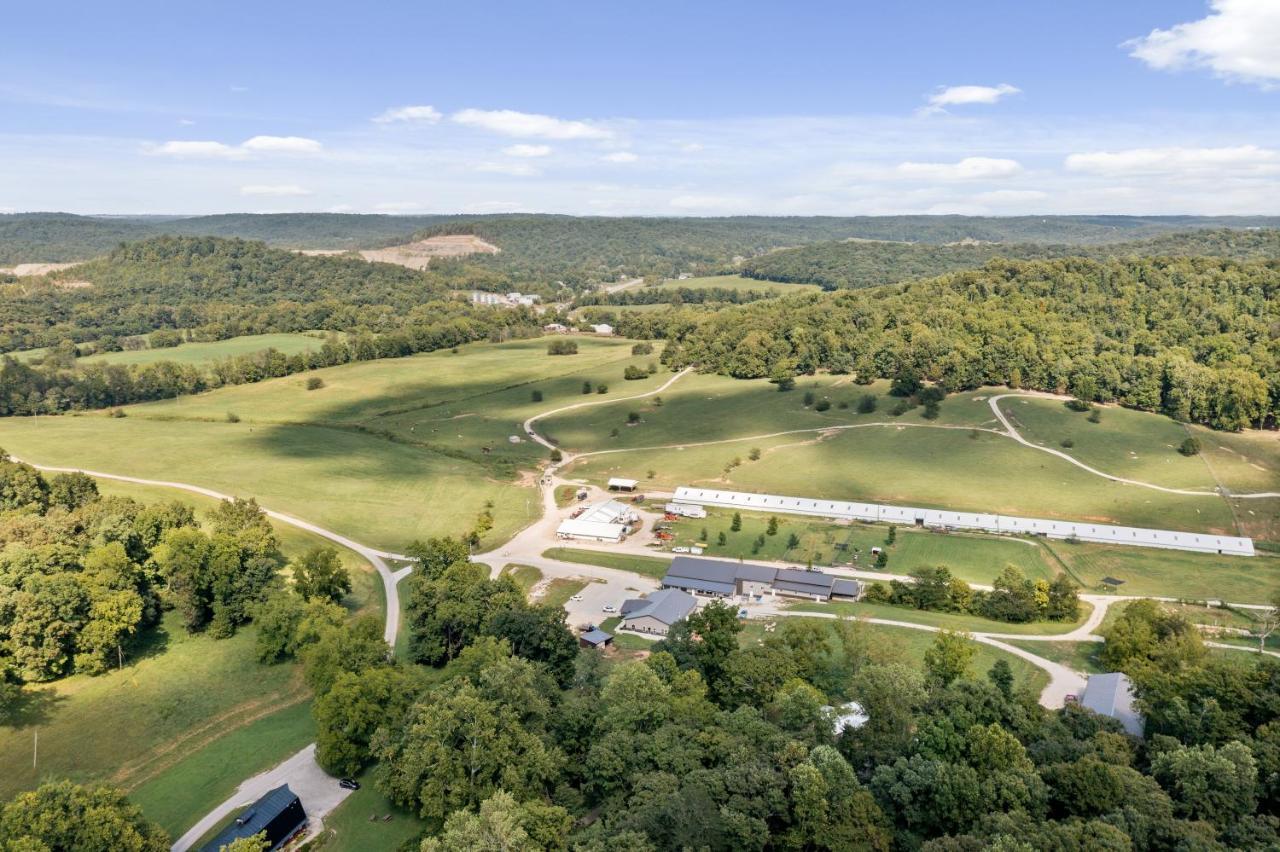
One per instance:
(863,263)
(84,577)
(217,288)
(713,743)
(540,246)
(1197,338)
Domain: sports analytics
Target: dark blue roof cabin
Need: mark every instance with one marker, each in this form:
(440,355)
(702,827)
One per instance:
(279,813)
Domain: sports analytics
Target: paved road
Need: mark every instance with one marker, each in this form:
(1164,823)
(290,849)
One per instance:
(1013,433)
(319,793)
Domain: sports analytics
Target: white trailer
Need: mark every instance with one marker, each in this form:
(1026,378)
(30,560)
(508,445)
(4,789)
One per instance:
(685,510)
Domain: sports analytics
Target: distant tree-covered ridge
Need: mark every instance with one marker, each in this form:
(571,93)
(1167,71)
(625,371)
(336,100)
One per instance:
(1197,338)
(868,263)
(221,288)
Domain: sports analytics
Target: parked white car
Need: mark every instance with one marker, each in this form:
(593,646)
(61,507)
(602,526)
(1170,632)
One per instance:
(576,598)
(679,550)
(610,608)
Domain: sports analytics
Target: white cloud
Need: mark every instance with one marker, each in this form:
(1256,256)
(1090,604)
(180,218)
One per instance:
(496,207)
(1239,40)
(962,95)
(217,150)
(513,169)
(282,144)
(527,150)
(185,122)
(281,190)
(1178,161)
(620,157)
(524,124)
(222,151)
(970,168)
(427,114)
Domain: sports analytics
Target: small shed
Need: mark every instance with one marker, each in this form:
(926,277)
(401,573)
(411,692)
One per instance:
(617,483)
(595,639)
(602,328)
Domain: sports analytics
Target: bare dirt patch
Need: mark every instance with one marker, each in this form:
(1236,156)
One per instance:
(32,270)
(418,254)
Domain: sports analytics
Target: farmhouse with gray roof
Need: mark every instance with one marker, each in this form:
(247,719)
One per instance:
(721,578)
(1112,695)
(663,608)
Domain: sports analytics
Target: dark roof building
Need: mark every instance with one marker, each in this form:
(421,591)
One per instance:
(630,605)
(278,814)
(595,639)
(722,578)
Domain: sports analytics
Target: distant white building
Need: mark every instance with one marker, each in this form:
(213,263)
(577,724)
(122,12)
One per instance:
(602,328)
(555,327)
(685,510)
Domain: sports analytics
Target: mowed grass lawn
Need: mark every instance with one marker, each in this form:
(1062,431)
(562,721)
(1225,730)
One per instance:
(208,352)
(1133,444)
(206,776)
(945,620)
(1171,573)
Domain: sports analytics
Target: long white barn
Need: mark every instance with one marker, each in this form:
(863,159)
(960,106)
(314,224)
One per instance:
(938,519)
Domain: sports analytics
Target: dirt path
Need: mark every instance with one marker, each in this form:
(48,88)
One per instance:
(1013,433)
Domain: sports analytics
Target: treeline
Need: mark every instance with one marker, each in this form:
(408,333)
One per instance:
(58,384)
(220,288)
(854,264)
(1196,338)
(675,296)
(83,578)
(1012,598)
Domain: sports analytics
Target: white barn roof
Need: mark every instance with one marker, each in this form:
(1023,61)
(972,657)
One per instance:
(619,482)
(606,511)
(940,519)
(578,528)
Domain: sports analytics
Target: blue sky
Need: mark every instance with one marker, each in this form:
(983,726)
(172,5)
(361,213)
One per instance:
(656,108)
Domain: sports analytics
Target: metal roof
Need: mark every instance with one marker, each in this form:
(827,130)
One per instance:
(619,482)
(606,511)
(798,577)
(632,604)
(667,606)
(936,518)
(697,585)
(254,818)
(846,588)
(596,637)
(577,527)
(712,570)
(1112,695)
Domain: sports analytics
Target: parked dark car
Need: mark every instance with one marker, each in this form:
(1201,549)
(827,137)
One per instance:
(349,784)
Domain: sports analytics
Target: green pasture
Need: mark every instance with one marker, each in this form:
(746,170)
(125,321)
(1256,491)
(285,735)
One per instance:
(379,492)
(1132,444)
(206,776)
(208,352)
(939,468)
(177,693)
(646,566)
(975,559)
(1173,573)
